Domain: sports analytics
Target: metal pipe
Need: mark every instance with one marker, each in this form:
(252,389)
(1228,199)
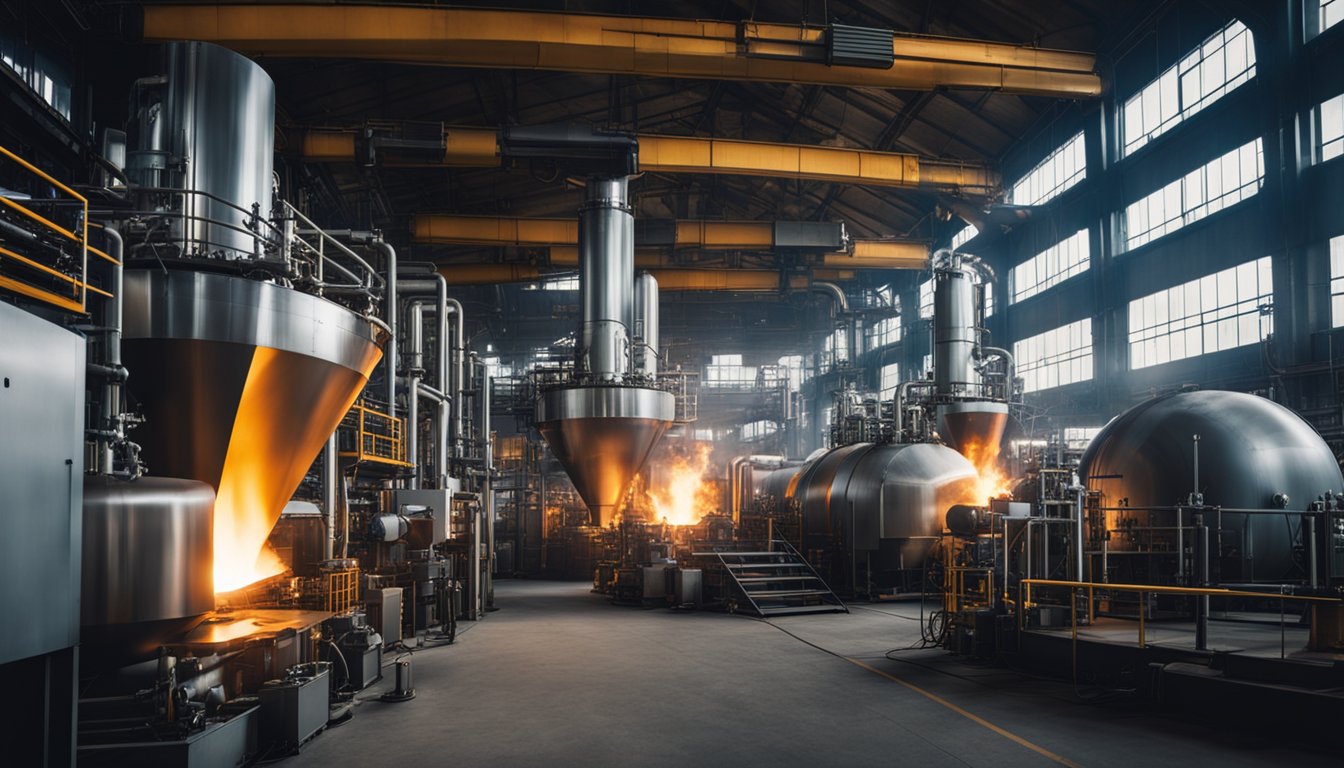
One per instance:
(841,309)
(111,405)
(901,390)
(390,305)
(330,477)
(488,490)
(646,324)
(606,264)
(455,387)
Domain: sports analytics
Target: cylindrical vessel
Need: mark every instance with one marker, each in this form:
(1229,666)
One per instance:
(953,331)
(606,265)
(1251,450)
(214,119)
(148,564)
(646,324)
(871,512)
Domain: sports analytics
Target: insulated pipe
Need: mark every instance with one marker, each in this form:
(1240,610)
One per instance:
(458,354)
(111,405)
(646,324)
(606,264)
(390,306)
(331,474)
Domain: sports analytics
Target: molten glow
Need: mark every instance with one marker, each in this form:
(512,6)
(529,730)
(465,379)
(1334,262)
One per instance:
(679,492)
(242,556)
(992,483)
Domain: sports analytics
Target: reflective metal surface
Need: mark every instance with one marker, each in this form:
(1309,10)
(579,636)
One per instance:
(954,332)
(1250,449)
(216,117)
(602,436)
(878,505)
(973,426)
(241,383)
(148,559)
(41,464)
(646,324)
(606,266)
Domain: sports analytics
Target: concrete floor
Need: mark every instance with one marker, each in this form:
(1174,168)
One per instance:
(558,677)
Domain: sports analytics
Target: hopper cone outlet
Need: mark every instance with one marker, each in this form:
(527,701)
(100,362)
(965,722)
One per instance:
(602,436)
(977,423)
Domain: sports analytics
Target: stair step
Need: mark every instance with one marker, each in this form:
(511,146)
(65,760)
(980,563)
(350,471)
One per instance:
(740,566)
(782,610)
(759,593)
(776,579)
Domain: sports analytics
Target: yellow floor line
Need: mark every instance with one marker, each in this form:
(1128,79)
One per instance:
(974,718)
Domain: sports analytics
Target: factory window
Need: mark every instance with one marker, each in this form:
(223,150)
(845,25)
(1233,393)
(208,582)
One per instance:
(926,299)
(1062,169)
(1057,357)
(42,75)
(891,376)
(1220,311)
(885,331)
(964,236)
(1330,127)
(1052,266)
(758,429)
(728,371)
(1337,281)
(1208,189)
(989,298)
(1079,437)
(928,366)
(793,365)
(1332,11)
(1219,65)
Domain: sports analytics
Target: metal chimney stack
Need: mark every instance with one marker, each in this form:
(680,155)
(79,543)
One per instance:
(970,416)
(603,424)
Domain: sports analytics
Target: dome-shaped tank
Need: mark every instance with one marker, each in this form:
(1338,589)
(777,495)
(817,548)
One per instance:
(148,565)
(872,512)
(1251,450)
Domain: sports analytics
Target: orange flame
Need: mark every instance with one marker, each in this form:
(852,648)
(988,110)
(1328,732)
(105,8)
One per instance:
(992,483)
(679,491)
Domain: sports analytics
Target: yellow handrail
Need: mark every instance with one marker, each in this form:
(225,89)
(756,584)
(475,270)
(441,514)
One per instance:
(82,238)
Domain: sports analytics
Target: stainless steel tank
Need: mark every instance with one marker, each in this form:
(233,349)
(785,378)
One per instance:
(871,512)
(208,129)
(1252,454)
(241,382)
(148,571)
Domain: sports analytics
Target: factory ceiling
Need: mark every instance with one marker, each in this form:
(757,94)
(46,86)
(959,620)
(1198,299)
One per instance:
(975,126)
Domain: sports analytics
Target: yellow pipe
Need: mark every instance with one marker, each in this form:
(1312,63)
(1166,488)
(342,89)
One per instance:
(1211,591)
(881,254)
(683,48)
(745,280)
(486,274)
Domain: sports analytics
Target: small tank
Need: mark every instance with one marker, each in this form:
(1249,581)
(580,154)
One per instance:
(1253,454)
(148,565)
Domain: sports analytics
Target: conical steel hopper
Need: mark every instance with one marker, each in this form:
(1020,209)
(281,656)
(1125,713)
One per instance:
(973,427)
(240,382)
(602,436)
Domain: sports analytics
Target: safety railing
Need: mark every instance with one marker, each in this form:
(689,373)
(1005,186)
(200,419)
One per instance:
(1091,590)
(59,279)
(378,437)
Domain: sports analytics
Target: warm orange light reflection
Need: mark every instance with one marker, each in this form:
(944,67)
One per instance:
(682,490)
(992,483)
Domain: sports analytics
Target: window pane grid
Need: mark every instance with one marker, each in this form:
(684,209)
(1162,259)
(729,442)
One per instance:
(1332,11)
(1330,127)
(1224,61)
(1337,281)
(1057,357)
(890,378)
(926,299)
(885,331)
(1216,312)
(1060,170)
(1208,189)
(961,238)
(1054,265)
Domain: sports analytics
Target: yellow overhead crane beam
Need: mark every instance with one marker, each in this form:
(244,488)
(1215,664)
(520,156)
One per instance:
(653,47)
(561,236)
(675,280)
(479,147)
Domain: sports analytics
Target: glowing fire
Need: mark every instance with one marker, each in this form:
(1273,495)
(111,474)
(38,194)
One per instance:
(679,489)
(992,483)
(242,525)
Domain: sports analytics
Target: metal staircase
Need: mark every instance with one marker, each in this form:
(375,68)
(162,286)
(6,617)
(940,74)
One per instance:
(775,580)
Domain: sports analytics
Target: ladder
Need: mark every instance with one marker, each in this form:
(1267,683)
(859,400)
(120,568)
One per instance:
(775,580)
